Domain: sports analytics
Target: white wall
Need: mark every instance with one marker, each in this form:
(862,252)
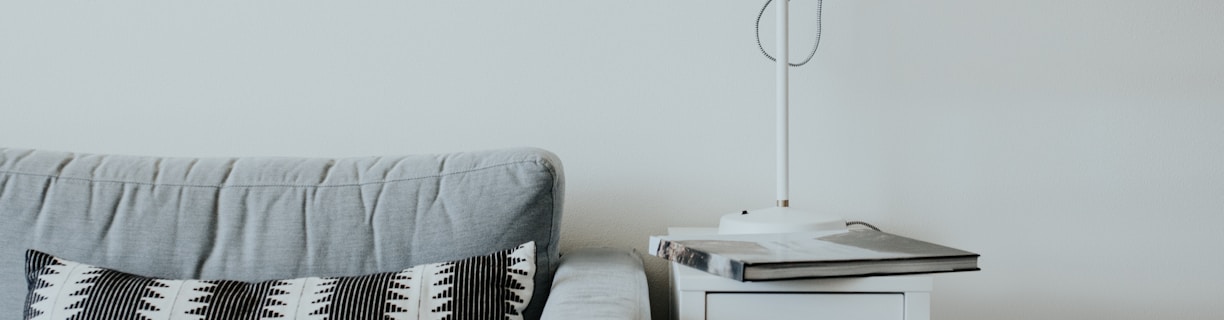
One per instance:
(1078,145)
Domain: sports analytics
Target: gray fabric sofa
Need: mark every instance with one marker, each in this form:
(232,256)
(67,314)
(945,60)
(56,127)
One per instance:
(256,219)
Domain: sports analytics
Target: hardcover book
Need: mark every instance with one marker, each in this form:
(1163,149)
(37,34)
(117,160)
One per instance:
(854,253)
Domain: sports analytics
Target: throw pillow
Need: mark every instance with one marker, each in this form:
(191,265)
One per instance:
(495,286)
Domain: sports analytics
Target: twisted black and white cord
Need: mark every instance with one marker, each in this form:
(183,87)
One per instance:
(819,5)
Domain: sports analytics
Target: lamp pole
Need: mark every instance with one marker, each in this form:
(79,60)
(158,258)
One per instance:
(783,103)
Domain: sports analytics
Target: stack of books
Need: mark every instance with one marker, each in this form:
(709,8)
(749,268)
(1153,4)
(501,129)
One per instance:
(854,253)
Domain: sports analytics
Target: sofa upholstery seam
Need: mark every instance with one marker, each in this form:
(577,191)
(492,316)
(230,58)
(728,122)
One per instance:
(270,185)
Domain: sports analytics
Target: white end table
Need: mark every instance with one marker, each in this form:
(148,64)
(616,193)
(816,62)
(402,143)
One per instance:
(697,295)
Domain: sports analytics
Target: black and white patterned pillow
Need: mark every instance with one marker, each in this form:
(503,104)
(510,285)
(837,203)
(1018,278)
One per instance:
(495,286)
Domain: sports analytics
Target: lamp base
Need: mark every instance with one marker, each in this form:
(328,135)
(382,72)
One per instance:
(779,220)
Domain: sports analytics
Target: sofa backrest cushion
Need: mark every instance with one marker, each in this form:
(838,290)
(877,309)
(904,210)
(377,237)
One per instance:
(258,219)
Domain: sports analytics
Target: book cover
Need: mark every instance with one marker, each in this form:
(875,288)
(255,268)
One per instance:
(760,257)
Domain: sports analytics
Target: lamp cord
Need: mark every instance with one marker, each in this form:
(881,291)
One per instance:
(819,5)
(851,223)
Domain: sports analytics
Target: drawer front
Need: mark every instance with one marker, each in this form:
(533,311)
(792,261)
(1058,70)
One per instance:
(805,306)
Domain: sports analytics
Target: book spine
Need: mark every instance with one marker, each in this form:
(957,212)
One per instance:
(677,252)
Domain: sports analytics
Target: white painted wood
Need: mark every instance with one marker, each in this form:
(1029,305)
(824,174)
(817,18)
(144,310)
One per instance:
(805,306)
(690,305)
(918,305)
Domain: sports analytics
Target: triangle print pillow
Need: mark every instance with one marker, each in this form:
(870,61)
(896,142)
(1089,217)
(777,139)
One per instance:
(494,286)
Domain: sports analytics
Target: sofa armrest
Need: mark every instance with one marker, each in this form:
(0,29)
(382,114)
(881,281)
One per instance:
(599,283)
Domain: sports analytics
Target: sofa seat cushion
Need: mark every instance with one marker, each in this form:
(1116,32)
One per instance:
(494,286)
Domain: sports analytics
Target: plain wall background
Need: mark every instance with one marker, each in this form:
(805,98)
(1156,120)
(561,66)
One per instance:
(1077,145)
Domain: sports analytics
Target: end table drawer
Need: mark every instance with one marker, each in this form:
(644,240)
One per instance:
(786,306)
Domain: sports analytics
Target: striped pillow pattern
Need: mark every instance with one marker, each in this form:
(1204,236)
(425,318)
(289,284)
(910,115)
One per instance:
(494,286)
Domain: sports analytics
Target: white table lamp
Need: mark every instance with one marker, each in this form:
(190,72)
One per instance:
(781,218)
